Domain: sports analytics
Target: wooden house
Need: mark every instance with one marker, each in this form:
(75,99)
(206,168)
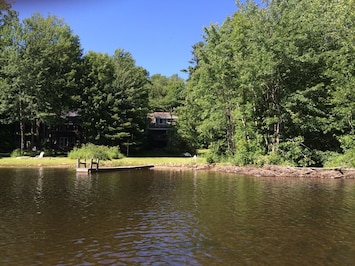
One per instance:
(158,129)
(66,134)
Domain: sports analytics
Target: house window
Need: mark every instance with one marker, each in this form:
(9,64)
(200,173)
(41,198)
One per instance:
(72,141)
(63,141)
(162,121)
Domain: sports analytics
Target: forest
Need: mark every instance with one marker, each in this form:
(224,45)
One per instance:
(273,84)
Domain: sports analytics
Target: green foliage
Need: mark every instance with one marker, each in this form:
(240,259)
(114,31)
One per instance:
(43,75)
(295,152)
(38,71)
(345,159)
(166,93)
(95,151)
(202,152)
(94,99)
(272,158)
(114,102)
(16,153)
(207,117)
(274,84)
(248,141)
(211,158)
(247,152)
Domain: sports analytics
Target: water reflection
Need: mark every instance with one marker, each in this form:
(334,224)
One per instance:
(55,217)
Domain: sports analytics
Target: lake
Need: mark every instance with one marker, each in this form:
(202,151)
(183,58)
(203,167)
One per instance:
(55,217)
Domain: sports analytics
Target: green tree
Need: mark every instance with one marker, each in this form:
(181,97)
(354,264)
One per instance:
(213,90)
(129,99)
(272,78)
(190,111)
(114,102)
(340,67)
(40,72)
(98,76)
(14,103)
(166,93)
(50,62)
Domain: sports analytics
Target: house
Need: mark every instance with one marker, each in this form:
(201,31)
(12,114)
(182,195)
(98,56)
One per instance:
(158,128)
(67,134)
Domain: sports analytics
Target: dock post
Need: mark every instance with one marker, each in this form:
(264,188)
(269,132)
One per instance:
(92,163)
(79,163)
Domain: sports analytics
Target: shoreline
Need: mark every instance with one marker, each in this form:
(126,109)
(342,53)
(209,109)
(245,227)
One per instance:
(249,170)
(268,171)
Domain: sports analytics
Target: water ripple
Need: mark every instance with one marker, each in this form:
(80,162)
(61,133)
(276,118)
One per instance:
(53,217)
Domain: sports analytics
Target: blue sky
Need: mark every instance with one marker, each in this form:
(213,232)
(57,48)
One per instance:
(158,33)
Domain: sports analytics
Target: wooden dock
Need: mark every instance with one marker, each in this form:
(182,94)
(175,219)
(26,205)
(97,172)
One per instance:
(94,167)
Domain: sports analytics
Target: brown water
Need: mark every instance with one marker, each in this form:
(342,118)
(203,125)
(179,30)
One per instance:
(54,217)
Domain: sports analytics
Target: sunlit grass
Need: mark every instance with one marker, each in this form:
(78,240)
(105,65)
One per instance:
(66,162)
(32,161)
(169,161)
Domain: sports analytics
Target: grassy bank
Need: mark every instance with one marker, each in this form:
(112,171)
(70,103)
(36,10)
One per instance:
(66,162)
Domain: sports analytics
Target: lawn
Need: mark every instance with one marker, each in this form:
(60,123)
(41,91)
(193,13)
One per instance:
(66,162)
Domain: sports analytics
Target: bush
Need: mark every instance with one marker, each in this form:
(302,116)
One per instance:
(341,160)
(272,158)
(294,151)
(88,151)
(344,159)
(16,153)
(247,152)
(211,158)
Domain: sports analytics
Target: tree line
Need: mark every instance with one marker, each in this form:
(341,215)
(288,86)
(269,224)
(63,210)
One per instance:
(274,83)
(44,75)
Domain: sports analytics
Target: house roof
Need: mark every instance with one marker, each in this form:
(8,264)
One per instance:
(166,115)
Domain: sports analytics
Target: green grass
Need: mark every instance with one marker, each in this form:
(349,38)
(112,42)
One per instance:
(66,162)
(168,161)
(34,162)
(95,151)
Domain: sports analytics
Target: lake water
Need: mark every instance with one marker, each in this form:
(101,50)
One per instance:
(150,217)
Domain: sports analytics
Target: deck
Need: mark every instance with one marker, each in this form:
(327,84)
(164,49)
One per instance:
(107,169)
(94,167)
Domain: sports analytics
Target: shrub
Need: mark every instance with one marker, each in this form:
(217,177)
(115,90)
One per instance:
(344,159)
(272,158)
(294,151)
(88,151)
(247,152)
(211,158)
(16,153)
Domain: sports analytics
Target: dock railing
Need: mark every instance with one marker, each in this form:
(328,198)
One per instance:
(79,163)
(93,164)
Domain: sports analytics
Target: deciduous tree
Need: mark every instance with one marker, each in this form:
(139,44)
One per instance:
(284,71)
(39,70)
(166,93)
(114,102)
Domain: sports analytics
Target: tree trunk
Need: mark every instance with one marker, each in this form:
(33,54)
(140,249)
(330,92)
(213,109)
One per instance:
(22,129)
(33,137)
(230,131)
(22,136)
(38,134)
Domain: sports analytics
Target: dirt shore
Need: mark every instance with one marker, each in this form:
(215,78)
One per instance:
(271,171)
(265,171)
